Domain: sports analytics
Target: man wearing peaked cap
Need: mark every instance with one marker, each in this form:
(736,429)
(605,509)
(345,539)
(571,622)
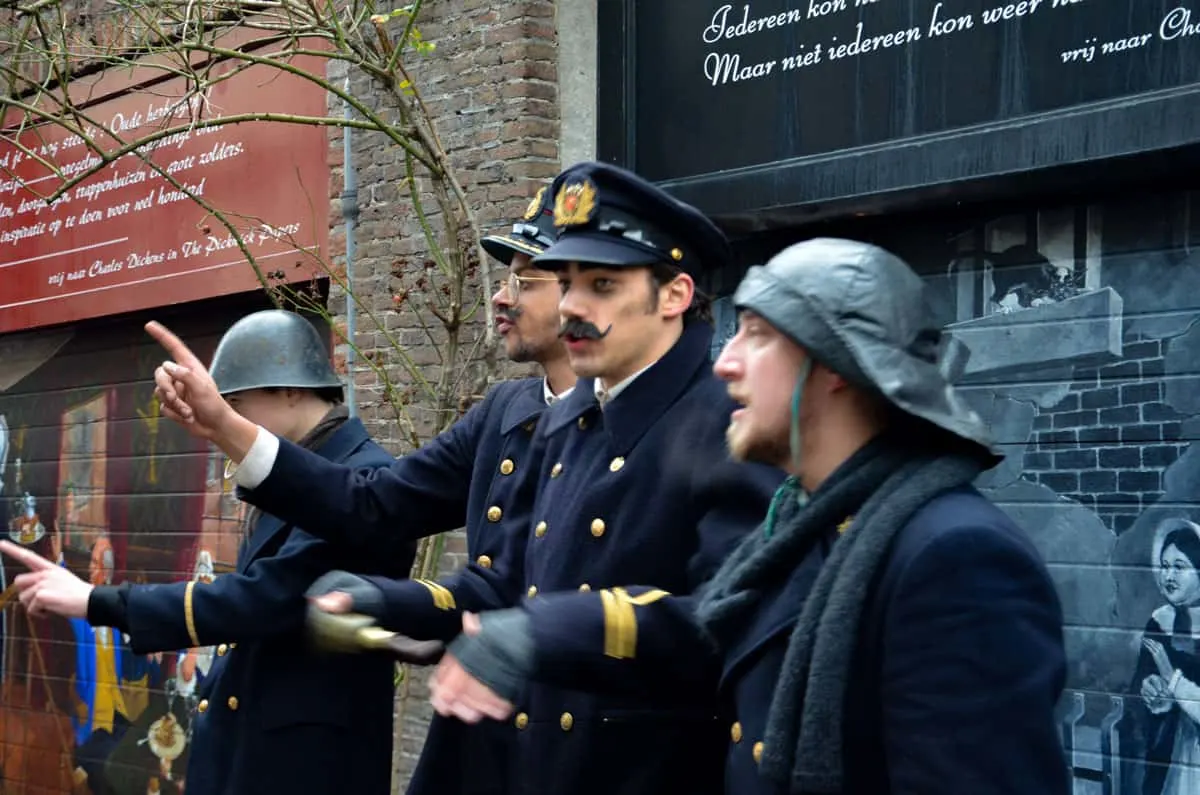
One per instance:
(887,630)
(626,480)
(633,485)
(467,476)
(609,216)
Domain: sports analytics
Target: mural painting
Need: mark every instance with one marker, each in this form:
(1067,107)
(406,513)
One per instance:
(92,480)
(1073,330)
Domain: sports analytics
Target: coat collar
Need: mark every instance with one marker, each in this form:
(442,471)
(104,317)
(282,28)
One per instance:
(340,445)
(643,403)
(779,610)
(527,404)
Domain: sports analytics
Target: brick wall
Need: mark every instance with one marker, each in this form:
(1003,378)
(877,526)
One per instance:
(491,84)
(1107,443)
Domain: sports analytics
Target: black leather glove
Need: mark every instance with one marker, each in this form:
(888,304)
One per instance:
(367,597)
(501,656)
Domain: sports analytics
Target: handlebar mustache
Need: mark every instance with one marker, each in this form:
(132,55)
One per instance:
(581,329)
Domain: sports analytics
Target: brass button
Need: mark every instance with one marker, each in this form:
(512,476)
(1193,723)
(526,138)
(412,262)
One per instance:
(556,470)
(203,705)
(735,732)
(566,721)
(597,527)
(585,587)
(233,702)
(616,464)
(484,561)
(532,592)
(494,513)
(583,423)
(529,426)
(758,748)
(221,650)
(232,646)
(540,530)
(521,721)
(506,467)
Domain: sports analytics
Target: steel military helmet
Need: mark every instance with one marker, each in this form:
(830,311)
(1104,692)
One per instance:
(861,311)
(272,348)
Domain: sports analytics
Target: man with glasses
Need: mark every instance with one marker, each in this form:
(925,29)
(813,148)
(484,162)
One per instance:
(467,476)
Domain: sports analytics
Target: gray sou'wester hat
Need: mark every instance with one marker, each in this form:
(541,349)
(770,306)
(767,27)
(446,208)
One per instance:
(861,311)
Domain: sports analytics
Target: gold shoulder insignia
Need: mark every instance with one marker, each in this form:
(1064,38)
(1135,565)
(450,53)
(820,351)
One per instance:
(535,205)
(575,203)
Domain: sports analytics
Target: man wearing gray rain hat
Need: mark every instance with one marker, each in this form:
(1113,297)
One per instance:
(887,630)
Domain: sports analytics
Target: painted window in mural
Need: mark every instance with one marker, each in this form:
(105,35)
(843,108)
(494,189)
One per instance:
(1073,329)
(91,478)
(1079,344)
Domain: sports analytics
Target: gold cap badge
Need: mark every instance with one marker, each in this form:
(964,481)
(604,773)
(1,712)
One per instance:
(535,205)
(575,203)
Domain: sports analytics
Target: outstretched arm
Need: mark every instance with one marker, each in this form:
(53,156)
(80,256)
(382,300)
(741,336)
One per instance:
(265,600)
(420,494)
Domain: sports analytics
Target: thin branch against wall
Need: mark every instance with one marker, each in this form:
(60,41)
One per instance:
(60,58)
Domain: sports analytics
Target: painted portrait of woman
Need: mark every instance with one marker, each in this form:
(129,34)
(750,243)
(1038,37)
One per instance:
(1168,670)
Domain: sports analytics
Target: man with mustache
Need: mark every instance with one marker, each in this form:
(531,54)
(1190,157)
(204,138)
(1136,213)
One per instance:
(459,758)
(887,630)
(628,481)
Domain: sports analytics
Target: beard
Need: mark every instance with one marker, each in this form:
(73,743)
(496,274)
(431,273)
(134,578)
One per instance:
(750,445)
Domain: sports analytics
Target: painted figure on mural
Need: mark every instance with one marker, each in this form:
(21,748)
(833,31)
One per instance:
(1168,670)
(71,530)
(27,528)
(152,757)
(104,666)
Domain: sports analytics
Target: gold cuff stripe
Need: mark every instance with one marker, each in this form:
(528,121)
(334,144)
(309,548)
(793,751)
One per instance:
(620,621)
(443,599)
(189,614)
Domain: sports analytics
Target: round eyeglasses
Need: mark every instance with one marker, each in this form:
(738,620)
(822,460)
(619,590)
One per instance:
(513,284)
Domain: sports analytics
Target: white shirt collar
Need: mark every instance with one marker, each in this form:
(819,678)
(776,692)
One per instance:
(549,396)
(605,395)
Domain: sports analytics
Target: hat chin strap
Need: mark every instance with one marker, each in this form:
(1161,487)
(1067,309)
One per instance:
(794,439)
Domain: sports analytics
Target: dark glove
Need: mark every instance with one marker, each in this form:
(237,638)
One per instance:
(367,597)
(501,656)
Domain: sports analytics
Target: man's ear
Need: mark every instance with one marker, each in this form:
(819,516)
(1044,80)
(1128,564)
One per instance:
(675,296)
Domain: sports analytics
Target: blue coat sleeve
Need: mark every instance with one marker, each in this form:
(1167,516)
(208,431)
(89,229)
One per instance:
(266,600)
(428,610)
(973,665)
(628,641)
(640,637)
(420,494)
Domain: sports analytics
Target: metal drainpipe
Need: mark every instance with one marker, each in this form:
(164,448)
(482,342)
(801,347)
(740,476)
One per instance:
(350,216)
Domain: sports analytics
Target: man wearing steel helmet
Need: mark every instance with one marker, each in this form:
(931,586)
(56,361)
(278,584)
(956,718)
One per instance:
(273,716)
(887,630)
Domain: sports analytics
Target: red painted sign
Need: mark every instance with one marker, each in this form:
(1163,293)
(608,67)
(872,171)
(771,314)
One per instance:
(126,238)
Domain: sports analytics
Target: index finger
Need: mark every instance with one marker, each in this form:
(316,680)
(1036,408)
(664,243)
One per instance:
(174,346)
(32,560)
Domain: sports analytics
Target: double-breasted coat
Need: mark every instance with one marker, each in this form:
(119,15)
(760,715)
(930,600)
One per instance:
(642,490)
(475,463)
(957,669)
(273,716)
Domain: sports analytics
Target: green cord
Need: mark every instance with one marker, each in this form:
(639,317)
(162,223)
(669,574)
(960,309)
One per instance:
(791,484)
(789,488)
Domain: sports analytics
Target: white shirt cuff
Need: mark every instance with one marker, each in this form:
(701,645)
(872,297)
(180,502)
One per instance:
(259,460)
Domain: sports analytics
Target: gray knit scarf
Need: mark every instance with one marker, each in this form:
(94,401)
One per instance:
(320,433)
(881,485)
